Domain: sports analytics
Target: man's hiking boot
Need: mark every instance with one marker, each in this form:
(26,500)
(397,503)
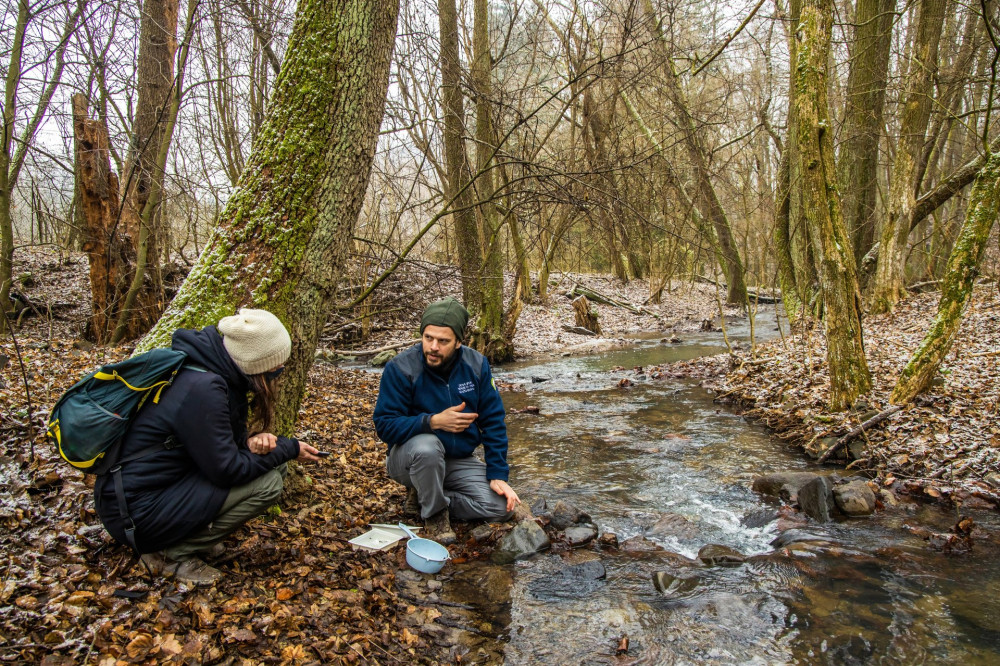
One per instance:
(438,528)
(191,571)
(411,506)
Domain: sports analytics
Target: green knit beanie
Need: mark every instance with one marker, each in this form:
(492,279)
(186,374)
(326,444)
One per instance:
(447,312)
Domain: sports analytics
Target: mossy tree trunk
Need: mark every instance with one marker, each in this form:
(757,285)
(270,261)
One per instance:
(849,376)
(783,244)
(862,129)
(283,238)
(956,288)
(493,333)
(794,232)
(887,287)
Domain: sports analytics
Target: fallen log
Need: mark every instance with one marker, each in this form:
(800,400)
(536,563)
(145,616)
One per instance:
(867,425)
(579,330)
(373,352)
(579,290)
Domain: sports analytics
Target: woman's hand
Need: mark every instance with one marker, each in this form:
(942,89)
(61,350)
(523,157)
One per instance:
(307,452)
(262,443)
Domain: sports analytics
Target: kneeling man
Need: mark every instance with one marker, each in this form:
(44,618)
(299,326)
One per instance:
(437,402)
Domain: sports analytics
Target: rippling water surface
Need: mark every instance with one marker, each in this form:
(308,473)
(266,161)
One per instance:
(866,591)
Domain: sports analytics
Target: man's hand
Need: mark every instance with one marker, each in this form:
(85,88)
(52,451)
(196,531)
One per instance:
(500,487)
(307,452)
(453,419)
(262,443)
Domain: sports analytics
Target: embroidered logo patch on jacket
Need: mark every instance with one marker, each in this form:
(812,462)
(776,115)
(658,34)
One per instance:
(466,387)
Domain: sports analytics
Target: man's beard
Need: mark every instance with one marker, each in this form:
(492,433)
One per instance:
(435,360)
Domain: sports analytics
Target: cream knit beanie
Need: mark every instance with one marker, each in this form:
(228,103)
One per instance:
(256,340)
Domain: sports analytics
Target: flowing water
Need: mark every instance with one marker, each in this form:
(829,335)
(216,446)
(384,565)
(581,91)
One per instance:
(865,591)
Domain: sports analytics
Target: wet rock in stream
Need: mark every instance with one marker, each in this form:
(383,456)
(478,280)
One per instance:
(526,539)
(816,499)
(784,485)
(668,584)
(563,514)
(759,518)
(718,555)
(672,524)
(579,535)
(855,498)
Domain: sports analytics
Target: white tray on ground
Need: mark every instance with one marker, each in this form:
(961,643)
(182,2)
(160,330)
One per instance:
(379,537)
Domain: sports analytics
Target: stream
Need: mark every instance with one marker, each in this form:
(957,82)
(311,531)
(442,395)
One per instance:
(661,453)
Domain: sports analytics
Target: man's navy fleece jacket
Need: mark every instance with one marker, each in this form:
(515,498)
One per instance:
(410,393)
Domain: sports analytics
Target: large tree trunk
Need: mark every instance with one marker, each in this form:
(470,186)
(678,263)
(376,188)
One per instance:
(862,130)
(887,288)
(795,248)
(488,331)
(283,238)
(849,376)
(159,100)
(956,289)
(457,188)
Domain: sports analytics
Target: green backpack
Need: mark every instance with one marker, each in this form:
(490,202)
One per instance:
(89,421)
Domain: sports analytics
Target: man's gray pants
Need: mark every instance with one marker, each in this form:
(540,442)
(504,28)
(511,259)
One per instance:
(456,483)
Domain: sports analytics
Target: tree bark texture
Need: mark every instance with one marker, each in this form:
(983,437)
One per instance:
(458,189)
(783,243)
(957,286)
(108,246)
(159,99)
(487,336)
(793,233)
(887,288)
(585,317)
(284,236)
(849,376)
(862,128)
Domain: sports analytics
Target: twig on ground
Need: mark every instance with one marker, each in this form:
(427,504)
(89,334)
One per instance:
(873,421)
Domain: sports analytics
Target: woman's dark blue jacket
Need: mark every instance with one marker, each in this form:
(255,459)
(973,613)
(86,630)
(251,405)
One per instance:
(410,393)
(175,492)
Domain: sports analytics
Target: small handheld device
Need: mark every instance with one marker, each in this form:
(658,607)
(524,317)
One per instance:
(323,454)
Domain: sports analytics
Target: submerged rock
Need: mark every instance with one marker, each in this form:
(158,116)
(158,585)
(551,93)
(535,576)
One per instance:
(639,544)
(718,555)
(526,539)
(672,524)
(854,498)
(816,499)
(669,584)
(571,582)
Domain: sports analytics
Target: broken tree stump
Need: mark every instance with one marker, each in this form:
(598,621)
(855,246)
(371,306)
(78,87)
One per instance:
(585,317)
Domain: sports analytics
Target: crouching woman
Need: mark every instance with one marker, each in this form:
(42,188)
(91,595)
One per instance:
(191,472)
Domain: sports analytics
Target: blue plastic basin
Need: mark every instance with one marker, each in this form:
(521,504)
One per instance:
(425,555)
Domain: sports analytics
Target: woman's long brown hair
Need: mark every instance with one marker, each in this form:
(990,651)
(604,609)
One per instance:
(262,403)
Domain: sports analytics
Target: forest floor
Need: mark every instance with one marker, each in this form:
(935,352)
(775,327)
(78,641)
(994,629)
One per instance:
(295,592)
